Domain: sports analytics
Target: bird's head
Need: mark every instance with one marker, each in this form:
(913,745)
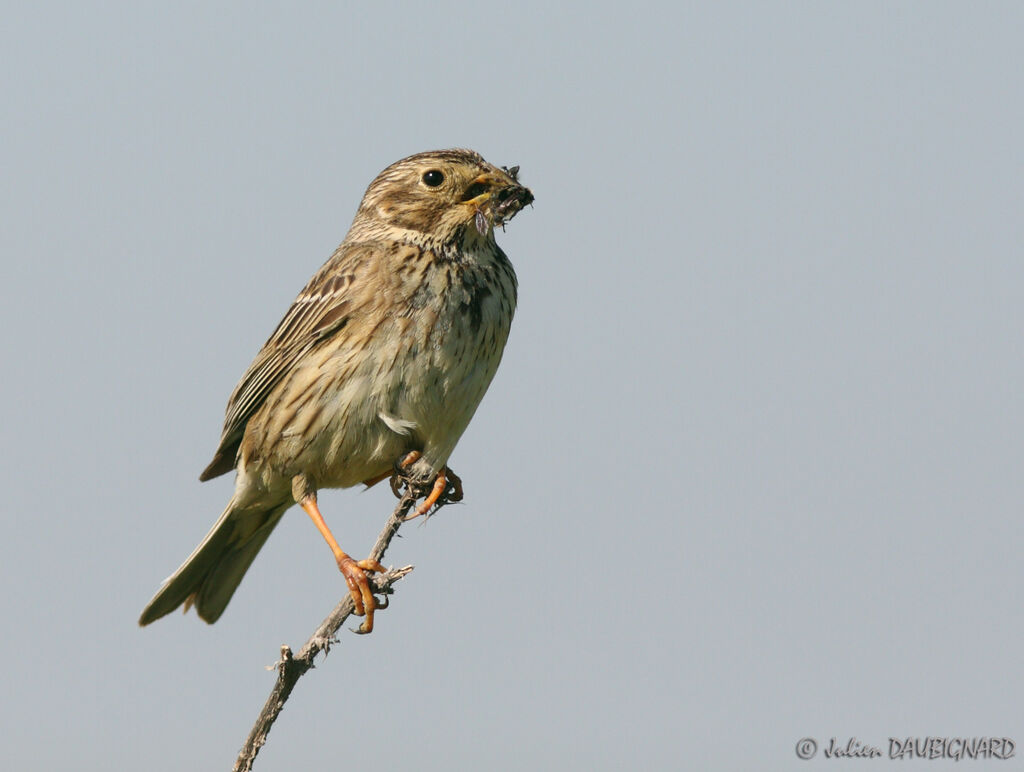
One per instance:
(447,195)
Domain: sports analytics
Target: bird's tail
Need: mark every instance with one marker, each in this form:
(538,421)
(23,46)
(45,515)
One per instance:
(212,573)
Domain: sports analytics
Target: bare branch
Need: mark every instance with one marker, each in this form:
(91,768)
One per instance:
(292,667)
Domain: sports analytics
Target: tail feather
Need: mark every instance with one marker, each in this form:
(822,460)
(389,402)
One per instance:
(212,573)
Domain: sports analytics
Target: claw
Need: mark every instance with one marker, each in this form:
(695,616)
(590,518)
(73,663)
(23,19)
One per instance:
(455,485)
(362,597)
(446,487)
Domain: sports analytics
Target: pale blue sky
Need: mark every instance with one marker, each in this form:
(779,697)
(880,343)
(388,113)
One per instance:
(750,470)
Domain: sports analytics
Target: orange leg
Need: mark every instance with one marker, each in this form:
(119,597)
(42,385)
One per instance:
(354,571)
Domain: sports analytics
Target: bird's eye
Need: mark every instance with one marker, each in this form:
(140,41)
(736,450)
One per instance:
(433,178)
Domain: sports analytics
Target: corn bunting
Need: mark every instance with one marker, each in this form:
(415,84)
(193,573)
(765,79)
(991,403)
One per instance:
(379,364)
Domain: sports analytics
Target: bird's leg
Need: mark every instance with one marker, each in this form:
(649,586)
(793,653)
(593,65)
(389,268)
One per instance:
(447,486)
(354,571)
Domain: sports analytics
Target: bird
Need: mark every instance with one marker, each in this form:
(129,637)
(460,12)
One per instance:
(378,366)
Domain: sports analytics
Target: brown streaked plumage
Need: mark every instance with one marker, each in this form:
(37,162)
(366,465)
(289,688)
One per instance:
(382,358)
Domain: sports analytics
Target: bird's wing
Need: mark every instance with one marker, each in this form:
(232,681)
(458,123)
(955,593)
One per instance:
(320,311)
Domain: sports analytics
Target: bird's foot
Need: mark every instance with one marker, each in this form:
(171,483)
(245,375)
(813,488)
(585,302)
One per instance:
(363,598)
(445,488)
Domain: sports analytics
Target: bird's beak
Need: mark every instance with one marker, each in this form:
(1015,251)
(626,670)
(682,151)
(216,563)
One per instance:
(495,197)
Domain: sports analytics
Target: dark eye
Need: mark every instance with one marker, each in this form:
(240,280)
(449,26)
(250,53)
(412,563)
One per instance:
(433,178)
